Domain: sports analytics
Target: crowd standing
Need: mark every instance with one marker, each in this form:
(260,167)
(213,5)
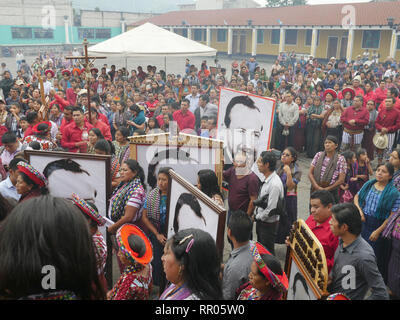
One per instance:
(341,114)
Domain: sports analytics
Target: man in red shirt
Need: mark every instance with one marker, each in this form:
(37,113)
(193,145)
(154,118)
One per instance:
(387,122)
(354,119)
(151,104)
(321,203)
(58,99)
(67,119)
(381,92)
(394,93)
(356,86)
(369,93)
(184,118)
(160,118)
(76,134)
(97,123)
(72,93)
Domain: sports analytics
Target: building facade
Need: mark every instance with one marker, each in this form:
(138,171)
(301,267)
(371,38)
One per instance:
(56,22)
(322,31)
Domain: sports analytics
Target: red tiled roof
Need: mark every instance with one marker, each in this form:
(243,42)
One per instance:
(372,13)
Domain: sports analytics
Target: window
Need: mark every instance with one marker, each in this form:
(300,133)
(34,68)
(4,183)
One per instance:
(40,33)
(309,37)
(291,37)
(221,35)
(398,43)
(185,32)
(21,33)
(199,35)
(275,36)
(371,39)
(260,36)
(103,33)
(87,33)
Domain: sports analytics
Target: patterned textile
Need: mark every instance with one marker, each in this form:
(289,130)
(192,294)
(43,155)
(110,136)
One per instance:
(396,180)
(153,207)
(122,197)
(132,285)
(178,293)
(100,251)
(377,203)
(115,166)
(392,230)
(44,143)
(121,152)
(88,210)
(37,177)
(58,295)
(340,168)
(250,293)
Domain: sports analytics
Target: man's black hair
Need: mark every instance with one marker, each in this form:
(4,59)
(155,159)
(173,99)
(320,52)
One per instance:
(31,117)
(13,165)
(324,196)
(347,213)
(245,100)
(8,137)
(240,225)
(78,109)
(270,158)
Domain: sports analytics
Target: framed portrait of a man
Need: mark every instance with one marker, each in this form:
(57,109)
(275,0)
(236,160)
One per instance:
(305,265)
(188,207)
(185,154)
(244,122)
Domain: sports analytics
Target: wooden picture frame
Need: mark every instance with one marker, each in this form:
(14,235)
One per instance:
(212,213)
(305,256)
(40,159)
(208,152)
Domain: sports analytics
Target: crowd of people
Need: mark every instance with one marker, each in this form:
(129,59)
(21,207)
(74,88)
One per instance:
(341,114)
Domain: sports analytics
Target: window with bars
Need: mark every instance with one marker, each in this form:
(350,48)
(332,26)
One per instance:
(275,36)
(221,35)
(103,33)
(309,37)
(88,33)
(260,36)
(40,33)
(371,39)
(291,37)
(21,33)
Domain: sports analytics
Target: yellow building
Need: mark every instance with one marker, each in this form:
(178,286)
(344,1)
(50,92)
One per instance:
(322,31)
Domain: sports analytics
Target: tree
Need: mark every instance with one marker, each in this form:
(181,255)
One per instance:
(285,3)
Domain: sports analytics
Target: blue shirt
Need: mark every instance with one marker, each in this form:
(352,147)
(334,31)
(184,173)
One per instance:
(8,190)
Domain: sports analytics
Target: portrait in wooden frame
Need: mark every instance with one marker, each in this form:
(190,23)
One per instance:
(96,175)
(189,207)
(305,265)
(185,153)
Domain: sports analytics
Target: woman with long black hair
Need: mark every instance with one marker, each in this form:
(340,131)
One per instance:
(207,182)
(47,232)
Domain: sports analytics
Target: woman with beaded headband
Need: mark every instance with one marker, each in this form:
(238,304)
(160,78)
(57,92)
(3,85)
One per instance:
(136,253)
(267,280)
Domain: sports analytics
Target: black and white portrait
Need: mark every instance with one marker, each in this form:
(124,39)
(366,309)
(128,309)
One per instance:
(299,288)
(191,208)
(244,122)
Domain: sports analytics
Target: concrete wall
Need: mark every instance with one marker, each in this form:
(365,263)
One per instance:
(32,12)
(110,19)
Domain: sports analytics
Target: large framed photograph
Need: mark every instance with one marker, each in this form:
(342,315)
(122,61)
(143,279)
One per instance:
(188,207)
(185,154)
(86,175)
(305,265)
(245,122)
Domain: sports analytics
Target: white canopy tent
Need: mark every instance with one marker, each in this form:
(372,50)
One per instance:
(150,40)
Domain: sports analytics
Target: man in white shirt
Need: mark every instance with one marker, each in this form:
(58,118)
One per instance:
(270,202)
(288,116)
(11,147)
(7,186)
(193,98)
